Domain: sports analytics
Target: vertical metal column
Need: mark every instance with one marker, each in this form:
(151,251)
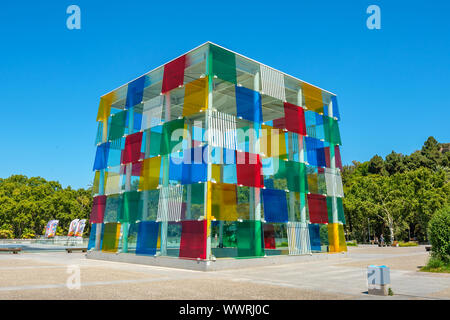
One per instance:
(255,193)
(207,196)
(333,168)
(166,160)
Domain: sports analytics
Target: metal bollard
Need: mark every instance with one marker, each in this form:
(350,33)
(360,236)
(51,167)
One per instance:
(379,280)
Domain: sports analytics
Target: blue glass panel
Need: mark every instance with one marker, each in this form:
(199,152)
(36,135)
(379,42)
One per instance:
(147,239)
(275,205)
(248,104)
(135,92)
(315,152)
(314,237)
(194,166)
(101,156)
(229,174)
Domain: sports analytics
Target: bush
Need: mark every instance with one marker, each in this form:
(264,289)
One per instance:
(436,265)
(439,234)
(6,234)
(352,243)
(408,244)
(28,234)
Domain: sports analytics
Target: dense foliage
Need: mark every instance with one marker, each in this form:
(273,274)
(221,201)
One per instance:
(396,196)
(27,204)
(439,233)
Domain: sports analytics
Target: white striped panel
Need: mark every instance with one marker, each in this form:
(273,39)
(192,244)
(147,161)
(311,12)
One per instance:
(298,238)
(222,130)
(170,203)
(333,181)
(272,82)
(152,112)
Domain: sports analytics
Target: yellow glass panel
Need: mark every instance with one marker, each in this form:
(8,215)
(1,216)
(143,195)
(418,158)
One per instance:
(113,183)
(195,96)
(224,201)
(216,172)
(312,97)
(272,142)
(104,109)
(149,179)
(313,185)
(336,237)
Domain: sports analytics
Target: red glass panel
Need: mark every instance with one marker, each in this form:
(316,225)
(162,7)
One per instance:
(173,74)
(317,205)
(295,118)
(193,239)
(337,157)
(269,236)
(132,150)
(98,209)
(249,169)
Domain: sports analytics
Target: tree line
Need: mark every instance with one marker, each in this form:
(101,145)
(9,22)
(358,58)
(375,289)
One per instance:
(398,195)
(27,204)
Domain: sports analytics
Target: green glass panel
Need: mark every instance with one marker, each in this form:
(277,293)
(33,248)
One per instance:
(296,176)
(113,208)
(150,201)
(324,235)
(223,64)
(331,128)
(340,210)
(117,126)
(167,144)
(249,239)
(154,146)
(132,207)
(330,209)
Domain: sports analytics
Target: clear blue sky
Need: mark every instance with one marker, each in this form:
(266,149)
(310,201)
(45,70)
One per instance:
(392,84)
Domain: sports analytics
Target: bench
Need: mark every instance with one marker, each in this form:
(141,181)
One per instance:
(13,250)
(69,250)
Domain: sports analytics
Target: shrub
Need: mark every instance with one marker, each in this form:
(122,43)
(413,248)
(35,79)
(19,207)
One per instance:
(6,234)
(352,243)
(439,234)
(28,234)
(408,244)
(436,265)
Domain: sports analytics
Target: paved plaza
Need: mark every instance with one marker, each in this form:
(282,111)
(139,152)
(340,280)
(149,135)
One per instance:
(43,275)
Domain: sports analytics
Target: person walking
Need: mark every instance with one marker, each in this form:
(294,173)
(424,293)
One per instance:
(382,240)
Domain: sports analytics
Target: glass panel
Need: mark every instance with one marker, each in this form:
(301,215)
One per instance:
(223,201)
(223,64)
(193,239)
(111,235)
(147,238)
(195,97)
(132,207)
(312,96)
(101,156)
(135,92)
(174,74)
(98,209)
(295,118)
(248,104)
(249,239)
(249,169)
(275,205)
(113,208)
(150,173)
(117,125)
(317,205)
